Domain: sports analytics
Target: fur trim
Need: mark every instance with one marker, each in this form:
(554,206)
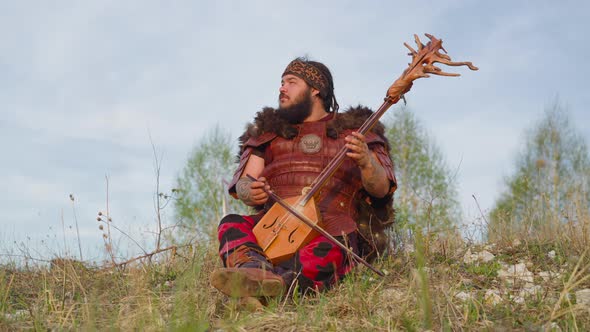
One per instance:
(352,118)
(267,121)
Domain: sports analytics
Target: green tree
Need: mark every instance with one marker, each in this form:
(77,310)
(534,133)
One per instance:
(551,179)
(426,195)
(202,198)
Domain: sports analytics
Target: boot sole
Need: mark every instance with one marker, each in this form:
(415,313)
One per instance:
(235,283)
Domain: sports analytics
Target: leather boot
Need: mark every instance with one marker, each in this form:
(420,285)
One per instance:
(244,256)
(247,282)
(248,273)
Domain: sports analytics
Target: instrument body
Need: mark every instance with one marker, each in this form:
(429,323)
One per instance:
(291,166)
(280,234)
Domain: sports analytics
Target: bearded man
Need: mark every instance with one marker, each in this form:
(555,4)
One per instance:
(285,149)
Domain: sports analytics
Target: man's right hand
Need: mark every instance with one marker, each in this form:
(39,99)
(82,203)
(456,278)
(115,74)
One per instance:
(252,192)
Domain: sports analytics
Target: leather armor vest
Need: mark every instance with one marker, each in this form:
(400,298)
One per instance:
(295,155)
(293,164)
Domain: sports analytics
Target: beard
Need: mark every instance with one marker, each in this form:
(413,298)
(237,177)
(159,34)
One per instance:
(299,111)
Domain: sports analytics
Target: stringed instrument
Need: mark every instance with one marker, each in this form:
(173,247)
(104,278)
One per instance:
(281,232)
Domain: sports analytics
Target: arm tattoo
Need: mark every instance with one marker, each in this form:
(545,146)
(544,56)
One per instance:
(374,181)
(243,190)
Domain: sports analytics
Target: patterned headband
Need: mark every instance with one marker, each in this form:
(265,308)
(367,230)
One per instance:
(310,74)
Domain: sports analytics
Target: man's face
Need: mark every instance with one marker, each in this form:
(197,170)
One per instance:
(295,99)
(292,90)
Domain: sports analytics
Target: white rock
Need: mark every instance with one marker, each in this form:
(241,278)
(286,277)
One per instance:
(551,254)
(516,243)
(520,268)
(583,297)
(463,296)
(548,275)
(467,281)
(18,314)
(469,258)
(514,273)
(485,256)
(518,299)
(492,297)
(490,246)
(530,290)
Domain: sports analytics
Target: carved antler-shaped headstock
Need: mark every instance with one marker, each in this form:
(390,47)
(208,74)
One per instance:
(422,65)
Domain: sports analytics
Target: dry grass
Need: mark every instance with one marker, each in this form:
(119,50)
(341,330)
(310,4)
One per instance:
(420,292)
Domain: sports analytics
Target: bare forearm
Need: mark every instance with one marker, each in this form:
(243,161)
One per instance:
(374,178)
(243,191)
(252,192)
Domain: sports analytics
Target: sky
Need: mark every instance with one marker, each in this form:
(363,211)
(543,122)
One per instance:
(92,91)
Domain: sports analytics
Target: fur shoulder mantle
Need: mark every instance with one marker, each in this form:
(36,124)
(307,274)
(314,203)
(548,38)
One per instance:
(267,124)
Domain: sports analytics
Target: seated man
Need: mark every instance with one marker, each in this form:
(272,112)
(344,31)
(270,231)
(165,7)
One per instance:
(285,149)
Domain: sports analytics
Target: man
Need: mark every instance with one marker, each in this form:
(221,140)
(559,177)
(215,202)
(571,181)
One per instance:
(285,149)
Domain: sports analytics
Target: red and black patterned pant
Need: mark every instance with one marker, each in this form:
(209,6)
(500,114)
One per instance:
(318,265)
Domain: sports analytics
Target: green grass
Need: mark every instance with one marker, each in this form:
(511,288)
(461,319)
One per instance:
(487,270)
